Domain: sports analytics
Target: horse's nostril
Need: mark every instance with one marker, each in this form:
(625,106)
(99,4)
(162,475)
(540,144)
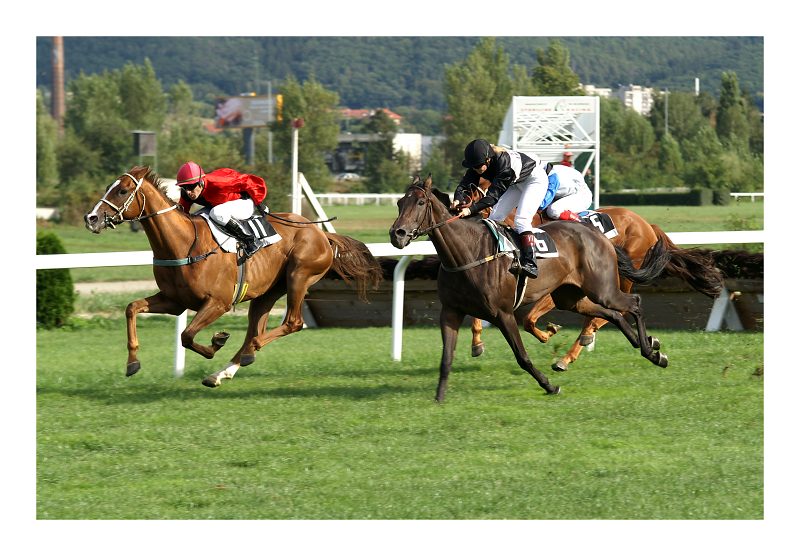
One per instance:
(400,232)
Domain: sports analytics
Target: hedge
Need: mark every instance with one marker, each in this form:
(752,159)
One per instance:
(695,197)
(55,293)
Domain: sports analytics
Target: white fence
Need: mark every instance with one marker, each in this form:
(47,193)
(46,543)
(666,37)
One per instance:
(721,312)
(752,196)
(357,198)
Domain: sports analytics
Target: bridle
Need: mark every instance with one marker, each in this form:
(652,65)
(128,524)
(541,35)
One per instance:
(416,232)
(118,218)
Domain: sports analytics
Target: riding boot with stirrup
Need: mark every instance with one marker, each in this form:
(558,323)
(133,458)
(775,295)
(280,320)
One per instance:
(245,238)
(527,260)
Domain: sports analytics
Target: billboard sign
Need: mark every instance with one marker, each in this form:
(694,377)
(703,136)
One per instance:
(250,111)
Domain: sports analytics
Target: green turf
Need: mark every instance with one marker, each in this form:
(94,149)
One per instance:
(325,426)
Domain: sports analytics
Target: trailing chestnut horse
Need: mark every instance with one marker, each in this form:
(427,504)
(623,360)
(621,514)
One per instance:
(635,235)
(474,280)
(193,272)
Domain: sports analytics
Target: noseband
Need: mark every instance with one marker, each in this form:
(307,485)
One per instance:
(117,218)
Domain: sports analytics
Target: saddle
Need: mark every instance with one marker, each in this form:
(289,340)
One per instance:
(257,225)
(508,240)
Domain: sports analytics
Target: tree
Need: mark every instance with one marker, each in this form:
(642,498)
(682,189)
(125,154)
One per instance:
(478,92)
(685,115)
(732,123)
(384,168)
(704,159)
(553,76)
(670,162)
(317,106)
(96,120)
(46,142)
(143,103)
(439,170)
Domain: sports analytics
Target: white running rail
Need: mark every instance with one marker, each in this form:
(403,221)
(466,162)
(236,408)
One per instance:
(139,258)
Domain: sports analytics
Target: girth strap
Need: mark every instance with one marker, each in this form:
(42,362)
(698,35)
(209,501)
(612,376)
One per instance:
(241,286)
(475,263)
(184,261)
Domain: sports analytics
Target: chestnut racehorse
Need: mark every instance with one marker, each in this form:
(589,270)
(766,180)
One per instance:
(193,272)
(475,280)
(635,235)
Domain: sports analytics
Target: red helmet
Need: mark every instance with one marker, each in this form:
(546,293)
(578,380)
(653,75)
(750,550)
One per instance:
(189,173)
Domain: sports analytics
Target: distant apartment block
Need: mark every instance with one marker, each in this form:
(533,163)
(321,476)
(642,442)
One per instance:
(603,92)
(635,97)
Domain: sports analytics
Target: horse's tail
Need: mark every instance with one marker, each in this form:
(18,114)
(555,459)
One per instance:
(694,266)
(655,262)
(353,261)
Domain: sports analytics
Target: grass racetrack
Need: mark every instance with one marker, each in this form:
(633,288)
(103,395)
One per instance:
(325,426)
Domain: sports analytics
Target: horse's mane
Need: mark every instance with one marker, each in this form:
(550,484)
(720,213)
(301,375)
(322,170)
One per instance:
(150,175)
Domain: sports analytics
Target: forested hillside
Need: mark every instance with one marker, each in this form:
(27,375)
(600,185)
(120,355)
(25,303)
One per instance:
(405,71)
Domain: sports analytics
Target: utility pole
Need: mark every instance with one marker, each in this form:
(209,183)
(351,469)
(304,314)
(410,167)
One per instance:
(666,111)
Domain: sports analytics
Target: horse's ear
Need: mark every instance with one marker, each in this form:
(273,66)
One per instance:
(415,181)
(428,182)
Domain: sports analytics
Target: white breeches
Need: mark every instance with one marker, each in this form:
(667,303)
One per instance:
(524,196)
(240,209)
(577,202)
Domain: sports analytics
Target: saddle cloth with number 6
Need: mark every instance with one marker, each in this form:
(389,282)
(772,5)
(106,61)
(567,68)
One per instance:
(506,238)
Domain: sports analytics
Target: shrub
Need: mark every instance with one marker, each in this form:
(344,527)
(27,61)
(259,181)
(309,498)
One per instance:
(55,293)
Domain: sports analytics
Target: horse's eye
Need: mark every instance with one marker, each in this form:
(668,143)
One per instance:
(123,191)
(421,202)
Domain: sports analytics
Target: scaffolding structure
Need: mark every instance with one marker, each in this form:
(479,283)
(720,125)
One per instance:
(551,126)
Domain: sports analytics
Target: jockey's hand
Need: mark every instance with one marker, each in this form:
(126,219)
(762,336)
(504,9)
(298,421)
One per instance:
(464,212)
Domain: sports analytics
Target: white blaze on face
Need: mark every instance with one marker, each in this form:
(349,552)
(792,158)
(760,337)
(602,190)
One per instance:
(101,201)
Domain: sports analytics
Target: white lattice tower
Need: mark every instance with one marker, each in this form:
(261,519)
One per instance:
(550,126)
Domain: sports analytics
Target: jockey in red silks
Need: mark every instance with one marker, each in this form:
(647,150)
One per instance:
(231,196)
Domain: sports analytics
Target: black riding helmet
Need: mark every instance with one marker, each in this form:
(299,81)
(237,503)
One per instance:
(476,153)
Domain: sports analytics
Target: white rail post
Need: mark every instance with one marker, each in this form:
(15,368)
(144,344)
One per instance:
(398,290)
(296,193)
(180,351)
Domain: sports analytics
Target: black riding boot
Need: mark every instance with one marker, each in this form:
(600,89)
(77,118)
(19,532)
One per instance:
(527,258)
(247,241)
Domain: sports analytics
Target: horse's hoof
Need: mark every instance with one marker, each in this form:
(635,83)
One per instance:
(247,359)
(663,361)
(654,343)
(560,366)
(219,339)
(555,392)
(211,381)
(553,328)
(586,340)
(477,350)
(133,368)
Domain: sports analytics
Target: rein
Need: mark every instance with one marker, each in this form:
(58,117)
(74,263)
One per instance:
(276,217)
(417,232)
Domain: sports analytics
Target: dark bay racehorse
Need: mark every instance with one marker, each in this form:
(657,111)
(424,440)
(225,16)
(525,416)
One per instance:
(583,278)
(636,236)
(193,272)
